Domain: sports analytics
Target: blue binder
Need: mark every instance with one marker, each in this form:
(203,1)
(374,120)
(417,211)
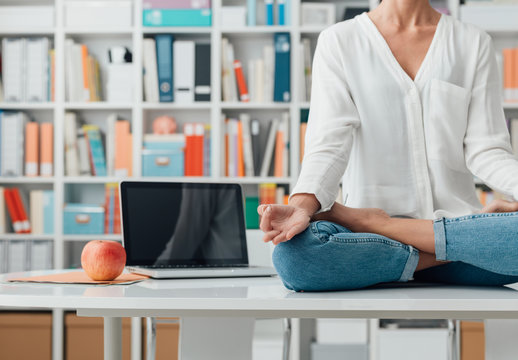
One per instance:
(281,6)
(164,54)
(281,88)
(48,212)
(269,11)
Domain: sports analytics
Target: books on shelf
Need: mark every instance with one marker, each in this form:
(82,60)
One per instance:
(82,74)
(85,147)
(112,217)
(252,151)
(272,194)
(41,204)
(510,73)
(176,70)
(25,255)
(194,149)
(176,13)
(26,147)
(16,217)
(276,12)
(268,77)
(27,75)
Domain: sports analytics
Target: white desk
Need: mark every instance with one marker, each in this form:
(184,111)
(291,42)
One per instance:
(256,298)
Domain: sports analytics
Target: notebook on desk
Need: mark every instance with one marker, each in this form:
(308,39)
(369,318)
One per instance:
(185,230)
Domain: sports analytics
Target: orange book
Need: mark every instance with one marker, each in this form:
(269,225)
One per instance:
(188,130)
(90,62)
(84,62)
(303,128)
(31,149)
(199,134)
(13,211)
(117,212)
(241,83)
(240,156)
(20,208)
(122,148)
(279,155)
(47,149)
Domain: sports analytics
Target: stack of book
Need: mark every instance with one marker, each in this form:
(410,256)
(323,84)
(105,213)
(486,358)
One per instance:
(510,67)
(186,154)
(82,74)
(280,17)
(176,13)
(25,255)
(88,152)
(247,155)
(27,70)
(112,214)
(268,77)
(14,216)
(176,71)
(26,147)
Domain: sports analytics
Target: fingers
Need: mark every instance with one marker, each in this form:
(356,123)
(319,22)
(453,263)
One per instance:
(500,205)
(279,238)
(270,235)
(266,217)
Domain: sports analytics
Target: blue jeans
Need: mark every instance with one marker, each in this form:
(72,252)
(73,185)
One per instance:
(482,248)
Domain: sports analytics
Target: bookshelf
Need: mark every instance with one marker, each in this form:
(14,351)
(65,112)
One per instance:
(140,113)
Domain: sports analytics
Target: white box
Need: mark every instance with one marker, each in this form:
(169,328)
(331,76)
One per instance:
(341,331)
(23,17)
(104,14)
(339,351)
(233,17)
(119,87)
(491,17)
(411,344)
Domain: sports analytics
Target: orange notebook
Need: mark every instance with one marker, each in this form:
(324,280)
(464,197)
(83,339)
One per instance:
(20,208)
(241,83)
(279,155)
(13,211)
(84,61)
(47,149)
(31,149)
(240,156)
(122,148)
(188,130)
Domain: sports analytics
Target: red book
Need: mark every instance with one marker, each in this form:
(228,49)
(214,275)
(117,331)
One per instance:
(13,212)
(241,83)
(188,131)
(240,156)
(22,213)
(116,212)
(199,134)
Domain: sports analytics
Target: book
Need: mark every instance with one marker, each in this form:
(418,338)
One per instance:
(83,153)
(227,85)
(509,70)
(207,138)
(96,150)
(21,209)
(247,145)
(12,151)
(281,12)
(307,59)
(270,145)
(194,149)
(12,210)
(47,149)
(3,218)
(177,17)
(164,52)
(251,81)
(13,69)
(71,151)
(241,83)
(123,148)
(231,147)
(150,70)
(109,207)
(255,131)
(281,90)
(269,64)
(232,74)
(251,11)
(31,149)
(269,11)
(48,212)
(202,89)
(267,193)
(304,114)
(240,155)
(259,80)
(110,144)
(251,215)
(36,211)
(183,68)
(36,69)
(281,147)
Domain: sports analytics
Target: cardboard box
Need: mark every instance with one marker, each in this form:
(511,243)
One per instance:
(472,340)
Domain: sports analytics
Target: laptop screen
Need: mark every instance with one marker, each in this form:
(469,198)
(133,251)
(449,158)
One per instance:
(168,224)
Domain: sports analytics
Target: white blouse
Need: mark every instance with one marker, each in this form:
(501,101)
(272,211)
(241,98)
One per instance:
(410,147)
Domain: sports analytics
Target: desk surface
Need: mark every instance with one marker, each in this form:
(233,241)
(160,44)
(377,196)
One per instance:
(262,297)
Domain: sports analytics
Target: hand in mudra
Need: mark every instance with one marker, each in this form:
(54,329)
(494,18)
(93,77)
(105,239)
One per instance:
(500,205)
(282,222)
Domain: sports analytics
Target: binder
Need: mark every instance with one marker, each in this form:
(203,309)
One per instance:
(71,152)
(47,149)
(21,209)
(13,65)
(37,76)
(281,12)
(241,83)
(96,150)
(184,59)
(31,149)
(269,11)
(270,144)
(12,133)
(150,70)
(281,91)
(247,145)
(251,8)
(202,89)
(255,128)
(164,51)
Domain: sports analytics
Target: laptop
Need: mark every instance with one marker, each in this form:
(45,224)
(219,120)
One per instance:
(185,230)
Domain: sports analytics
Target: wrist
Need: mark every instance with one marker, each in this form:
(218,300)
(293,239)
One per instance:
(306,202)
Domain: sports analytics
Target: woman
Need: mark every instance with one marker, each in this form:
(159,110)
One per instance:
(407,103)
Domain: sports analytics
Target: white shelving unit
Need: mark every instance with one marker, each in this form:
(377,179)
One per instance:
(141,113)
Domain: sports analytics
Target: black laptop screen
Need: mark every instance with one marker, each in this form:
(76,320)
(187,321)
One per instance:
(167,224)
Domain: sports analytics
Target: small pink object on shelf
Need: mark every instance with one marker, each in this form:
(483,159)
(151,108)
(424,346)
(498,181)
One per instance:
(164,125)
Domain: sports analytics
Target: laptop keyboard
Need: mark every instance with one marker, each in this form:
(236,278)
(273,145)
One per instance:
(178,266)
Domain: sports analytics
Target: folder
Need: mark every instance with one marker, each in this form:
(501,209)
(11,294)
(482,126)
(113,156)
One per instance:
(269,11)
(47,149)
(13,65)
(164,52)
(282,67)
(31,149)
(241,83)
(184,59)
(202,89)
(150,71)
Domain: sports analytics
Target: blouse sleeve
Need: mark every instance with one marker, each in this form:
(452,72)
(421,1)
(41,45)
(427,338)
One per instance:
(487,147)
(332,119)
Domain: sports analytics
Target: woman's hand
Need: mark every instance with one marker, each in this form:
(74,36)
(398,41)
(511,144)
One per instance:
(500,205)
(282,222)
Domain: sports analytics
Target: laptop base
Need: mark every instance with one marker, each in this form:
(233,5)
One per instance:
(175,273)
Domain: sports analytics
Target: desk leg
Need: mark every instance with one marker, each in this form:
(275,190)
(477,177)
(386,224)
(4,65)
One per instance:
(216,338)
(112,338)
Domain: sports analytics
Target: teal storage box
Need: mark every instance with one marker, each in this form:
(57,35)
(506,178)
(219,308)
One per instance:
(177,17)
(167,162)
(83,219)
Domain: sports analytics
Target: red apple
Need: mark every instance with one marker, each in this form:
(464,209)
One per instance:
(103,260)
